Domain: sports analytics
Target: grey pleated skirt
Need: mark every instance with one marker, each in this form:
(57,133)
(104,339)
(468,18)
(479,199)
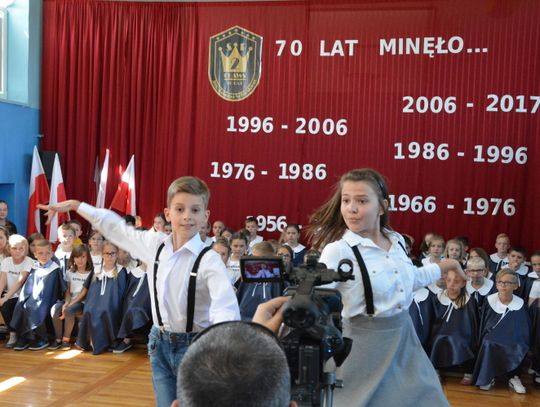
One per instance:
(387,366)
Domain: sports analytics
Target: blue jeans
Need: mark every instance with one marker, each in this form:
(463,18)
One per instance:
(166,350)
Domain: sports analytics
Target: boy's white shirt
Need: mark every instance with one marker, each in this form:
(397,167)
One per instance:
(215,300)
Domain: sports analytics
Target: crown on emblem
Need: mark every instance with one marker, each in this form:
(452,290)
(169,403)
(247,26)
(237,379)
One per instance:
(235,61)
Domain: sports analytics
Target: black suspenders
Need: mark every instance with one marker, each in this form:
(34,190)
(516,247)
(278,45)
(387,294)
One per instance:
(191,287)
(368,291)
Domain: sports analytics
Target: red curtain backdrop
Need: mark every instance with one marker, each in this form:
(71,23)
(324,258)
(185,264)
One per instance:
(133,77)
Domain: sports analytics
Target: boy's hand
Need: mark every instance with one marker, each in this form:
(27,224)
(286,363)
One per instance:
(65,206)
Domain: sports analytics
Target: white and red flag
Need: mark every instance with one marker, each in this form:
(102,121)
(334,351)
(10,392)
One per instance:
(124,198)
(58,194)
(38,194)
(102,188)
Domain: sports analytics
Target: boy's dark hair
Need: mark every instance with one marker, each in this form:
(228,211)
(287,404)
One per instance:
(130,220)
(250,219)
(225,365)
(520,249)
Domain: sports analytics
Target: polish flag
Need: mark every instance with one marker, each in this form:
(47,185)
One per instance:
(58,194)
(124,199)
(102,188)
(39,194)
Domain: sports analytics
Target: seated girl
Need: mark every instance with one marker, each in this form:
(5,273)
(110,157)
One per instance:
(454,332)
(103,309)
(504,335)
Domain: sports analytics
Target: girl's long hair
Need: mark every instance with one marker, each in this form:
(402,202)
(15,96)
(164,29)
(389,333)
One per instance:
(461,299)
(77,252)
(327,224)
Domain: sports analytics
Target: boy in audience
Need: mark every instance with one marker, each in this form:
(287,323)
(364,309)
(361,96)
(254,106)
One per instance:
(516,262)
(499,259)
(43,288)
(253,237)
(76,226)
(66,237)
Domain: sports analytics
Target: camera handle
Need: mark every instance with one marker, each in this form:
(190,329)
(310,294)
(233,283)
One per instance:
(328,388)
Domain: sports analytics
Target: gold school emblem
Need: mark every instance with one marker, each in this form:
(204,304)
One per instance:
(234,66)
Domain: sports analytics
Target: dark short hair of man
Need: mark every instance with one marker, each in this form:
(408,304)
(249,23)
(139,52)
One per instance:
(234,364)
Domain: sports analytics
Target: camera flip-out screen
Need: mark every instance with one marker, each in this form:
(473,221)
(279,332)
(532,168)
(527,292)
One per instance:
(261,269)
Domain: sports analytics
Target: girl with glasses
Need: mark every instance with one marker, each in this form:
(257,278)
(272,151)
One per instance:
(504,335)
(478,286)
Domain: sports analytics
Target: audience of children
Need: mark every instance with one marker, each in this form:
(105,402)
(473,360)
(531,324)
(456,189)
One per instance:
(485,325)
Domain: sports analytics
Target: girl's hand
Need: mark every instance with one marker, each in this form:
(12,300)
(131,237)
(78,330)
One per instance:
(65,206)
(451,264)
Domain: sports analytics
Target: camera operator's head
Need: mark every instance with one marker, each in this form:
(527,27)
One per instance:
(234,364)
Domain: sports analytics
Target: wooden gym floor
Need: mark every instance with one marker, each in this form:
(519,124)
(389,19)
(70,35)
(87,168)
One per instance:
(72,378)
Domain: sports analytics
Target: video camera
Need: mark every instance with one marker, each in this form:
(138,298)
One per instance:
(313,316)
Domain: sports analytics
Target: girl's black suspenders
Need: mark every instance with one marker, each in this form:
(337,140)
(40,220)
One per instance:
(368,291)
(191,287)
